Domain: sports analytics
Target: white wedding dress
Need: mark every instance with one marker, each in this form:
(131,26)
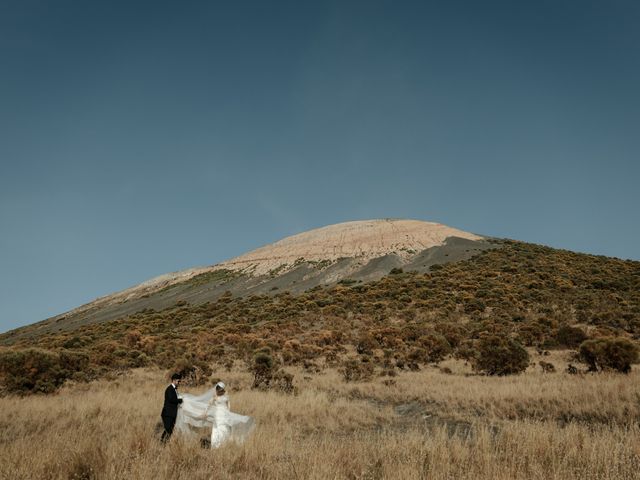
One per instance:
(211,411)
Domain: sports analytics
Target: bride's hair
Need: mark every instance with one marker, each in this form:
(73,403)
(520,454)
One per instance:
(220,387)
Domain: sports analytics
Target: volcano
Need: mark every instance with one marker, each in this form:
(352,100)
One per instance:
(358,251)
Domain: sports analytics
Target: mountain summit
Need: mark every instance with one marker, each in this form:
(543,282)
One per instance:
(366,240)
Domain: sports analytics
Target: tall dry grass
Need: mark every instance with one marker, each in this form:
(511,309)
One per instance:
(428,425)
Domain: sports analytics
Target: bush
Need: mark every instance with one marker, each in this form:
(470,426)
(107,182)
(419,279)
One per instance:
(366,345)
(39,371)
(263,369)
(474,305)
(570,337)
(283,382)
(73,342)
(267,375)
(500,356)
(453,332)
(193,372)
(354,370)
(609,354)
(547,367)
(531,334)
(436,346)
(466,351)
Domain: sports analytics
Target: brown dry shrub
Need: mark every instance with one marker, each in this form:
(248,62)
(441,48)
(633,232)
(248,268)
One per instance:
(547,367)
(267,375)
(290,357)
(132,338)
(388,337)
(324,338)
(366,344)
(193,372)
(283,382)
(436,347)
(39,371)
(452,332)
(355,370)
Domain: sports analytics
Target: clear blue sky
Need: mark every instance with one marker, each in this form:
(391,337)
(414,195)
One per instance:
(138,138)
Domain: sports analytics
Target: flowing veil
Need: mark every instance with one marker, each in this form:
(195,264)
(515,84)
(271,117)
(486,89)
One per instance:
(191,417)
(191,411)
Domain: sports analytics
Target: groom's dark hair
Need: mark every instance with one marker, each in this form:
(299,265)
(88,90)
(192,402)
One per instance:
(176,376)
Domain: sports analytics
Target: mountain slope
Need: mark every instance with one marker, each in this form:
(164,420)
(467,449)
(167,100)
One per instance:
(360,251)
(536,295)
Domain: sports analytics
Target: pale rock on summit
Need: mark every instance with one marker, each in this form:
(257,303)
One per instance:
(365,240)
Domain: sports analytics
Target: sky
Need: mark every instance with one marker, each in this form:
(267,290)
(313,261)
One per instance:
(139,138)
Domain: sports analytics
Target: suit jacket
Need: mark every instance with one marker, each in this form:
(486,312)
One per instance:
(171,402)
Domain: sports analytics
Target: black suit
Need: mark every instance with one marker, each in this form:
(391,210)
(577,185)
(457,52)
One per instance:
(169,411)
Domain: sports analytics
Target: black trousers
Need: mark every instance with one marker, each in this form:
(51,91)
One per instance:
(169,423)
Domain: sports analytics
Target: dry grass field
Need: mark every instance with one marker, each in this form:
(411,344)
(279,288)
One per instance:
(417,425)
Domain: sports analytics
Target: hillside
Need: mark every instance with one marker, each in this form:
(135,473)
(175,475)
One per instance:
(538,296)
(362,250)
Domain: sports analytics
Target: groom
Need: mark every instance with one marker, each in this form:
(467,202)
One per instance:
(170,408)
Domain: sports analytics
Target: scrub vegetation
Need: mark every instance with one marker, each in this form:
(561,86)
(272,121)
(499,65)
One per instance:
(485,310)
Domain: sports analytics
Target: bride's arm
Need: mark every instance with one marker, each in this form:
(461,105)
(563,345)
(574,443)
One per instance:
(206,410)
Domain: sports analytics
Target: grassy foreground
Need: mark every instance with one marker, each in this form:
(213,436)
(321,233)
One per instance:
(425,424)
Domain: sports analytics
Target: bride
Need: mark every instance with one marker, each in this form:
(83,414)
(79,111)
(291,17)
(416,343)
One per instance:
(211,410)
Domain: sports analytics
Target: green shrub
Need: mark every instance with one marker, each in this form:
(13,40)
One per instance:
(73,342)
(531,334)
(263,361)
(466,351)
(609,354)
(570,337)
(263,369)
(417,355)
(500,356)
(474,305)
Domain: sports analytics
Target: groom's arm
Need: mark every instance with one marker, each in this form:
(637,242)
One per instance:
(171,396)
